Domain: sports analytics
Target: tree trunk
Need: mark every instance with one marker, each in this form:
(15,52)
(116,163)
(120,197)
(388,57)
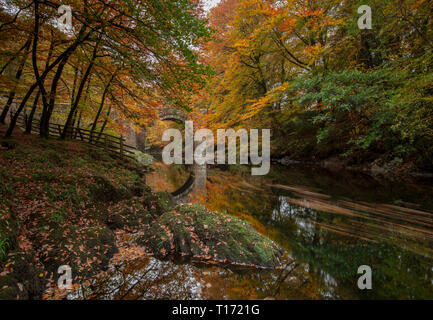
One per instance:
(39,79)
(79,92)
(29,123)
(73,93)
(101,106)
(16,54)
(80,39)
(45,120)
(105,123)
(17,77)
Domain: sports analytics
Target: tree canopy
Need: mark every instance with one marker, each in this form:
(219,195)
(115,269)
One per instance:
(325,87)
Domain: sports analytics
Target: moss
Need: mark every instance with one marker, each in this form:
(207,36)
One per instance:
(86,249)
(74,197)
(8,233)
(99,155)
(130,213)
(24,279)
(143,158)
(6,187)
(9,289)
(65,196)
(165,200)
(65,193)
(194,231)
(102,190)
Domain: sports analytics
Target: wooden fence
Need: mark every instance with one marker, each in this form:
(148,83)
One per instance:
(107,142)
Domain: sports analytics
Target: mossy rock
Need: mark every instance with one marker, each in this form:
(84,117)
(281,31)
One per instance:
(157,204)
(104,191)
(143,158)
(87,249)
(192,230)
(62,210)
(128,213)
(24,279)
(165,200)
(140,188)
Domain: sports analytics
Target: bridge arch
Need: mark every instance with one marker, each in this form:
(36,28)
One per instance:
(197,178)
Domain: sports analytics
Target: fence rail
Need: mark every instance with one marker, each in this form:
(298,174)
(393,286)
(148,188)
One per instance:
(107,142)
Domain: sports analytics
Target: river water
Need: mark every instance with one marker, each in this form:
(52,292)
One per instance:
(329,222)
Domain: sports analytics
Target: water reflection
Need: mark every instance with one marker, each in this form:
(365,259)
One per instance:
(149,278)
(333,223)
(144,278)
(330,224)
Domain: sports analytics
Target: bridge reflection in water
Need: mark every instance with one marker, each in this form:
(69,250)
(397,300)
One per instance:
(196,183)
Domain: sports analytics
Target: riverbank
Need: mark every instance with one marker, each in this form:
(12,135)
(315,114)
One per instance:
(65,203)
(394,169)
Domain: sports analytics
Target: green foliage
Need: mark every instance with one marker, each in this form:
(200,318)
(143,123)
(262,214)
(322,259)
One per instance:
(325,87)
(348,106)
(412,102)
(364,111)
(4,246)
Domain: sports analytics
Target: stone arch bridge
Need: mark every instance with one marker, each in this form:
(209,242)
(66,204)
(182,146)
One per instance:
(198,173)
(197,179)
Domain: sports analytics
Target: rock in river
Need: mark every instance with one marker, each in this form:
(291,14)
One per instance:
(192,230)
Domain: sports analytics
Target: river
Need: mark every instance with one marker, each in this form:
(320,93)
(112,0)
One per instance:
(329,222)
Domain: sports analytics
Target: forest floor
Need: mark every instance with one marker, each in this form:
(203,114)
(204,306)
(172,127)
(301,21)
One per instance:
(65,203)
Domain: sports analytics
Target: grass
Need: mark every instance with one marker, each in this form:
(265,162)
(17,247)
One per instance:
(4,247)
(54,200)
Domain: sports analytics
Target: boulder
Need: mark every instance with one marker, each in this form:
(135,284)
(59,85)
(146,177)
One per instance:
(192,230)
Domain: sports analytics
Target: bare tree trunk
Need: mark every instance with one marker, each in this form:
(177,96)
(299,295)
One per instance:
(86,97)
